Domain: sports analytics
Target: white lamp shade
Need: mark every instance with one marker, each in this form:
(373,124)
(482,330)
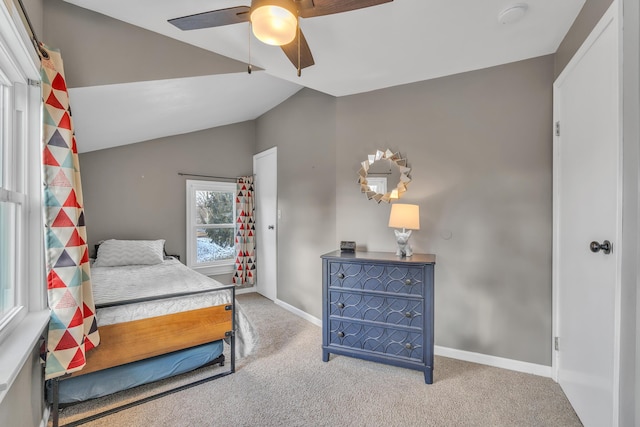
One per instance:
(274,22)
(405,216)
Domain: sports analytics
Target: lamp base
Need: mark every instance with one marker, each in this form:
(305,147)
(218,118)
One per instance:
(404,248)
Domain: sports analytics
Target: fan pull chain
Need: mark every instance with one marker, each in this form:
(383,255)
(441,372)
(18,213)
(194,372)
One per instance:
(299,68)
(249,65)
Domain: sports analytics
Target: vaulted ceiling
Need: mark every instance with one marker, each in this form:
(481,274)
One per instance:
(391,44)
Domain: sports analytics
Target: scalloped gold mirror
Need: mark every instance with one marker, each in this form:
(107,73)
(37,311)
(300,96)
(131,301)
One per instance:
(384,176)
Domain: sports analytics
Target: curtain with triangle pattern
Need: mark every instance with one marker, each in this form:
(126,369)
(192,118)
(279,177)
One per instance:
(245,265)
(72,329)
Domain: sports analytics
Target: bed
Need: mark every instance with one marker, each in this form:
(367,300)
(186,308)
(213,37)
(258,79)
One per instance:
(157,318)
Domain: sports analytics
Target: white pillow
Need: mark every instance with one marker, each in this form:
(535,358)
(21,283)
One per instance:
(112,252)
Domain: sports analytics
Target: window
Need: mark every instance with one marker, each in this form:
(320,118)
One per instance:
(7,216)
(23,312)
(13,198)
(211,214)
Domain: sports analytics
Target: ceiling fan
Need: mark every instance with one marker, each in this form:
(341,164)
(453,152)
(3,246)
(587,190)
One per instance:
(275,22)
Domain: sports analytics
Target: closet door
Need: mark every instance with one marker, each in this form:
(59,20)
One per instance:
(265,169)
(588,225)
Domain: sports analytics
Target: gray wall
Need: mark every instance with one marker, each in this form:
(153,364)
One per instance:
(481,162)
(23,406)
(467,136)
(303,129)
(99,50)
(479,145)
(134,191)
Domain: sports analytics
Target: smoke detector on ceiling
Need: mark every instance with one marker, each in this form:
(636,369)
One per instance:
(513,13)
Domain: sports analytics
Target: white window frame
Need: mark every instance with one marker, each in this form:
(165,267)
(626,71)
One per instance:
(213,268)
(377,184)
(21,184)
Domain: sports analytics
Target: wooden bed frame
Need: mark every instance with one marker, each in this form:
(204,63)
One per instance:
(137,340)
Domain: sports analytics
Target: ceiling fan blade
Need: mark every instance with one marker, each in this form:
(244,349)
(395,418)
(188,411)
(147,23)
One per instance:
(291,50)
(311,8)
(214,18)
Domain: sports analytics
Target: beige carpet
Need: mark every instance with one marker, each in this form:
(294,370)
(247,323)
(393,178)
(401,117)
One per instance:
(285,383)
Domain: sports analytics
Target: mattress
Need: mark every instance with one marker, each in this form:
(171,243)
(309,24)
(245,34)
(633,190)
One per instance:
(127,293)
(108,381)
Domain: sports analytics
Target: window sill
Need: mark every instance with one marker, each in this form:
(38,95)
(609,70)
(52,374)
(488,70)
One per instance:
(17,347)
(214,270)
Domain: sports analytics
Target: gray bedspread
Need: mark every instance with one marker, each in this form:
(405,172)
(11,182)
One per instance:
(125,283)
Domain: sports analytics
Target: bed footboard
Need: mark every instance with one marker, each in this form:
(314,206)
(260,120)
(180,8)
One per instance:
(141,339)
(137,340)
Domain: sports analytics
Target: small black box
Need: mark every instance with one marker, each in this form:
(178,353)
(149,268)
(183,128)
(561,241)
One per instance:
(347,246)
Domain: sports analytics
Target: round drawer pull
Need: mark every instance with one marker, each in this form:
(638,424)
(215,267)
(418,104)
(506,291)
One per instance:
(408,282)
(408,314)
(408,346)
(340,275)
(341,334)
(340,305)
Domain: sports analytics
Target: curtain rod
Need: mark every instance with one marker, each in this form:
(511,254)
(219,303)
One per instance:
(209,176)
(34,37)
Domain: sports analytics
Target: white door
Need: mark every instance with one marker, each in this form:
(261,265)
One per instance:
(587,208)
(265,169)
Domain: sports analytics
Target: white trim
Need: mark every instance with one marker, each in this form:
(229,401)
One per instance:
(495,361)
(266,152)
(616,12)
(555,240)
(214,270)
(468,356)
(17,347)
(241,291)
(306,316)
(44,422)
(22,56)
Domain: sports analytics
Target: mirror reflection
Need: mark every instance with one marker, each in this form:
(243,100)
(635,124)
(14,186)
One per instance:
(384,176)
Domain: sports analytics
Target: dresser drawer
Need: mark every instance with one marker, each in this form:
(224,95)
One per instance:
(397,279)
(377,308)
(387,341)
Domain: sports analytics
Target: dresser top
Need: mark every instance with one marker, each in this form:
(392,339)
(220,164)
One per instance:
(380,256)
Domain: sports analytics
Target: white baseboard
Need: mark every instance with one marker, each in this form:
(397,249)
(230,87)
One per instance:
(498,362)
(245,290)
(45,416)
(298,312)
(468,356)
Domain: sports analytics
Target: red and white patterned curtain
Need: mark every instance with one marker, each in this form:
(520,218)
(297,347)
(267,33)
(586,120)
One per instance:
(245,267)
(72,329)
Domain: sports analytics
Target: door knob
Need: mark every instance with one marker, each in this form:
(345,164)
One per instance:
(605,247)
(271,227)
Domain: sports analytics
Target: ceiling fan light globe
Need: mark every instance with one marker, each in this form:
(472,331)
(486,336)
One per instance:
(274,22)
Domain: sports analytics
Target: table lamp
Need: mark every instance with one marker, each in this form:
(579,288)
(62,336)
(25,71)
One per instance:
(406,217)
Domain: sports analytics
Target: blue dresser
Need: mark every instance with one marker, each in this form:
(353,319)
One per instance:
(379,307)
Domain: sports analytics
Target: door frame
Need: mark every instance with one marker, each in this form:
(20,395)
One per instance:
(613,16)
(274,290)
